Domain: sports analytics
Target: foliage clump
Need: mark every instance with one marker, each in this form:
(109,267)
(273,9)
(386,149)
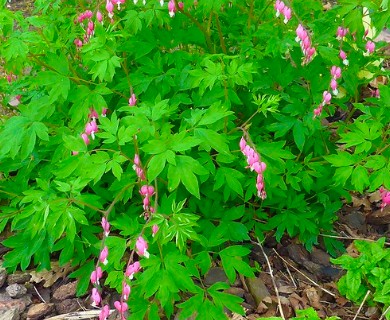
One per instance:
(130,117)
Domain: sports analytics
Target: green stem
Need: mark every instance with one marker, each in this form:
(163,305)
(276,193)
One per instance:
(197,23)
(221,39)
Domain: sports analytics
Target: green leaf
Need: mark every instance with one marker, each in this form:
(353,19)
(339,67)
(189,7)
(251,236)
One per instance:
(214,113)
(212,139)
(342,159)
(299,132)
(342,174)
(83,281)
(360,178)
(184,171)
(156,165)
(232,262)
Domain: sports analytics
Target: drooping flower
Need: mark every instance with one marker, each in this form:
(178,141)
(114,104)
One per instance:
(121,306)
(142,247)
(99,17)
(103,255)
(106,226)
(343,57)
(132,269)
(333,85)
(91,128)
(96,275)
(335,72)
(171,8)
(287,14)
(104,313)
(370,47)
(155,229)
(341,32)
(110,8)
(95,296)
(132,100)
(84,136)
(385,196)
(78,43)
(326,98)
(279,6)
(126,291)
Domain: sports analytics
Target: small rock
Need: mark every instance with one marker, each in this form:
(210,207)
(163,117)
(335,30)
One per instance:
(38,311)
(66,291)
(297,253)
(3,276)
(20,278)
(257,289)
(67,305)
(10,314)
(215,275)
(16,290)
(239,292)
(320,256)
(356,220)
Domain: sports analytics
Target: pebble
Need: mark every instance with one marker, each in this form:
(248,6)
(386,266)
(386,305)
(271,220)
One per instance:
(20,278)
(257,289)
(67,305)
(16,290)
(10,314)
(215,275)
(38,311)
(66,291)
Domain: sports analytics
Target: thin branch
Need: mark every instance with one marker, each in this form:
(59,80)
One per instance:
(361,305)
(221,39)
(384,313)
(350,238)
(301,273)
(272,278)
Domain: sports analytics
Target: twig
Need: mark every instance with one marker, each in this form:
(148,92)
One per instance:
(272,278)
(39,295)
(77,315)
(384,313)
(351,238)
(301,273)
(291,277)
(361,305)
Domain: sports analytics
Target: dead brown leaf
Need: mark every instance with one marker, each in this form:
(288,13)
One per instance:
(51,276)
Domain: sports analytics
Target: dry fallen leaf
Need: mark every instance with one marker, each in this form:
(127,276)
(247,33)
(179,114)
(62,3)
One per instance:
(314,299)
(51,276)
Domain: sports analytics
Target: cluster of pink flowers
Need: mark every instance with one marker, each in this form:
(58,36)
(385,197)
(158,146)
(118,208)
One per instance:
(303,39)
(254,164)
(282,8)
(89,29)
(97,274)
(385,196)
(340,35)
(336,74)
(326,97)
(91,127)
(141,247)
(147,192)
